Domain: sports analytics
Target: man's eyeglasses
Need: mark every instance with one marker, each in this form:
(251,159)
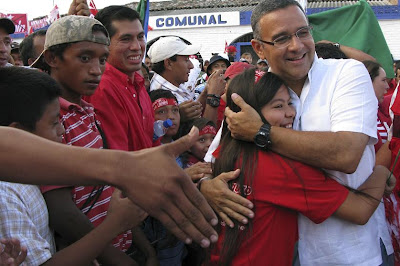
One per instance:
(284,41)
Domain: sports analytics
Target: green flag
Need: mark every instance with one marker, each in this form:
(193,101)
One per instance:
(141,9)
(355,26)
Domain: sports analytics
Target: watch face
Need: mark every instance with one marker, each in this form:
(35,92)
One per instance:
(261,140)
(214,102)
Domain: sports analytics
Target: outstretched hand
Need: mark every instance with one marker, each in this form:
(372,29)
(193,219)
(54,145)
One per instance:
(225,202)
(245,124)
(11,252)
(165,192)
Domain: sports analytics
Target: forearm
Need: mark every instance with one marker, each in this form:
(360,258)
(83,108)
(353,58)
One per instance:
(360,205)
(384,156)
(26,158)
(111,255)
(211,113)
(92,245)
(356,54)
(339,151)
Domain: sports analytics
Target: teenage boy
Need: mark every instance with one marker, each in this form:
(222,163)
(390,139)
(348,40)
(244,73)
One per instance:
(29,101)
(77,46)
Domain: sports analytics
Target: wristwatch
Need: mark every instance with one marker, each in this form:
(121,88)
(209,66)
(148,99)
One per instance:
(336,44)
(213,100)
(262,139)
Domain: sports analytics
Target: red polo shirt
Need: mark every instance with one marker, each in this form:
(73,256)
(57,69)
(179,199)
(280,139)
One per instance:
(124,109)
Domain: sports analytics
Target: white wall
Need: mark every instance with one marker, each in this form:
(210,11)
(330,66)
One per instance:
(212,39)
(391,30)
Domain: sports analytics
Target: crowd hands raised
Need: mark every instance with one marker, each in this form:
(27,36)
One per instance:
(232,167)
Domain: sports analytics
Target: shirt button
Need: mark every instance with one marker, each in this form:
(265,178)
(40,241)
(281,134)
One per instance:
(134,95)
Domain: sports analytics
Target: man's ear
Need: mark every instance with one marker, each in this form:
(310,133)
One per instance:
(50,58)
(258,48)
(168,64)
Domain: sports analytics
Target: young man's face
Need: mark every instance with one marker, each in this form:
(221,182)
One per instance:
(181,69)
(80,70)
(5,47)
(49,126)
(293,62)
(127,46)
(220,64)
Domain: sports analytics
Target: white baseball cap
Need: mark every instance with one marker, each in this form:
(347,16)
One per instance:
(167,47)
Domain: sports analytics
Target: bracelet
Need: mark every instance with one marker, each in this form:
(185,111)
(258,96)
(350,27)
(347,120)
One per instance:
(201,181)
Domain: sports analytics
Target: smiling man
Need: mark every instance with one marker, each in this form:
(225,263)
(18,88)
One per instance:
(7,27)
(335,129)
(121,100)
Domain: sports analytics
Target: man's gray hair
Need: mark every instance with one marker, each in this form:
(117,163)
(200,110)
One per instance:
(267,6)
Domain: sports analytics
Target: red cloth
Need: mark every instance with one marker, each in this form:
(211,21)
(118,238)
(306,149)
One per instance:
(221,113)
(124,108)
(81,130)
(281,189)
(392,207)
(392,86)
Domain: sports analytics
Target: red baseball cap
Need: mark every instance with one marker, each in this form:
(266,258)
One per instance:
(237,68)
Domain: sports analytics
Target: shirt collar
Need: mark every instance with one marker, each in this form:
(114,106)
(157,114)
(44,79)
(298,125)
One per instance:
(137,78)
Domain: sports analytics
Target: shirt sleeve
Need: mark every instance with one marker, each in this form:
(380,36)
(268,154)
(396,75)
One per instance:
(16,222)
(354,105)
(299,187)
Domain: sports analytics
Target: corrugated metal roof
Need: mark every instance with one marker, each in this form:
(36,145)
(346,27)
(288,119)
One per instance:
(186,6)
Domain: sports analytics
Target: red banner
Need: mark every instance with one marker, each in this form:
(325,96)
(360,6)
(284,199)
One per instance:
(20,21)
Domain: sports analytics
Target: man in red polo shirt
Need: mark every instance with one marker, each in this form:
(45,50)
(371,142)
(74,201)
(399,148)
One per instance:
(121,101)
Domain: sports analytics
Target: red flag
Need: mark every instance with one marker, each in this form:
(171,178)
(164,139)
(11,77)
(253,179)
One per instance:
(54,14)
(92,8)
(226,45)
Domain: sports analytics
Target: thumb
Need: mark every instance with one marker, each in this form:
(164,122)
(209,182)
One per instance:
(183,144)
(230,175)
(238,100)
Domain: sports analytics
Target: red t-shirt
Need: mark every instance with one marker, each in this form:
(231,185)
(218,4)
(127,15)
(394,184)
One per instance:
(282,188)
(124,108)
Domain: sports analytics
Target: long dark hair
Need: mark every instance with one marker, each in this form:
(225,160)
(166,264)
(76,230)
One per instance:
(256,95)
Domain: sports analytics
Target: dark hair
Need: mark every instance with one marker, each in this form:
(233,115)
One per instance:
(24,95)
(328,50)
(265,7)
(159,67)
(373,68)
(116,13)
(256,95)
(26,47)
(160,93)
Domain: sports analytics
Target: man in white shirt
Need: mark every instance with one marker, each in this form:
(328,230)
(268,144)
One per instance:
(335,104)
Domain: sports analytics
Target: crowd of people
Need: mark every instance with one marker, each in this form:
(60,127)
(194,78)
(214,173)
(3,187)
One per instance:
(281,159)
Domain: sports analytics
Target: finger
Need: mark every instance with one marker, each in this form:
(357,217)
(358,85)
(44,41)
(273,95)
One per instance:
(191,219)
(237,213)
(228,113)
(16,249)
(238,100)
(226,219)
(182,144)
(21,257)
(203,215)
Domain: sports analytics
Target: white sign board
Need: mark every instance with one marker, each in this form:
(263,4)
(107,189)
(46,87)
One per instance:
(218,19)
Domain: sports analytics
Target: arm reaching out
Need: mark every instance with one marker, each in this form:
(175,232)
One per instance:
(174,201)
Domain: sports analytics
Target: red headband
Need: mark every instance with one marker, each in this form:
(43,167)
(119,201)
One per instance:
(208,130)
(259,74)
(161,102)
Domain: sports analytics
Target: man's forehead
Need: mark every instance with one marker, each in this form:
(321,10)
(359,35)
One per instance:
(125,26)
(4,34)
(277,20)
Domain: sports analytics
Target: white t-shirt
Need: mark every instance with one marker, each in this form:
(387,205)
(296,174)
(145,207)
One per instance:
(181,93)
(340,98)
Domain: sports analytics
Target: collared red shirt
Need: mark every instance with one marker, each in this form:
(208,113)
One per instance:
(181,93)
(124,108)
(81,130)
